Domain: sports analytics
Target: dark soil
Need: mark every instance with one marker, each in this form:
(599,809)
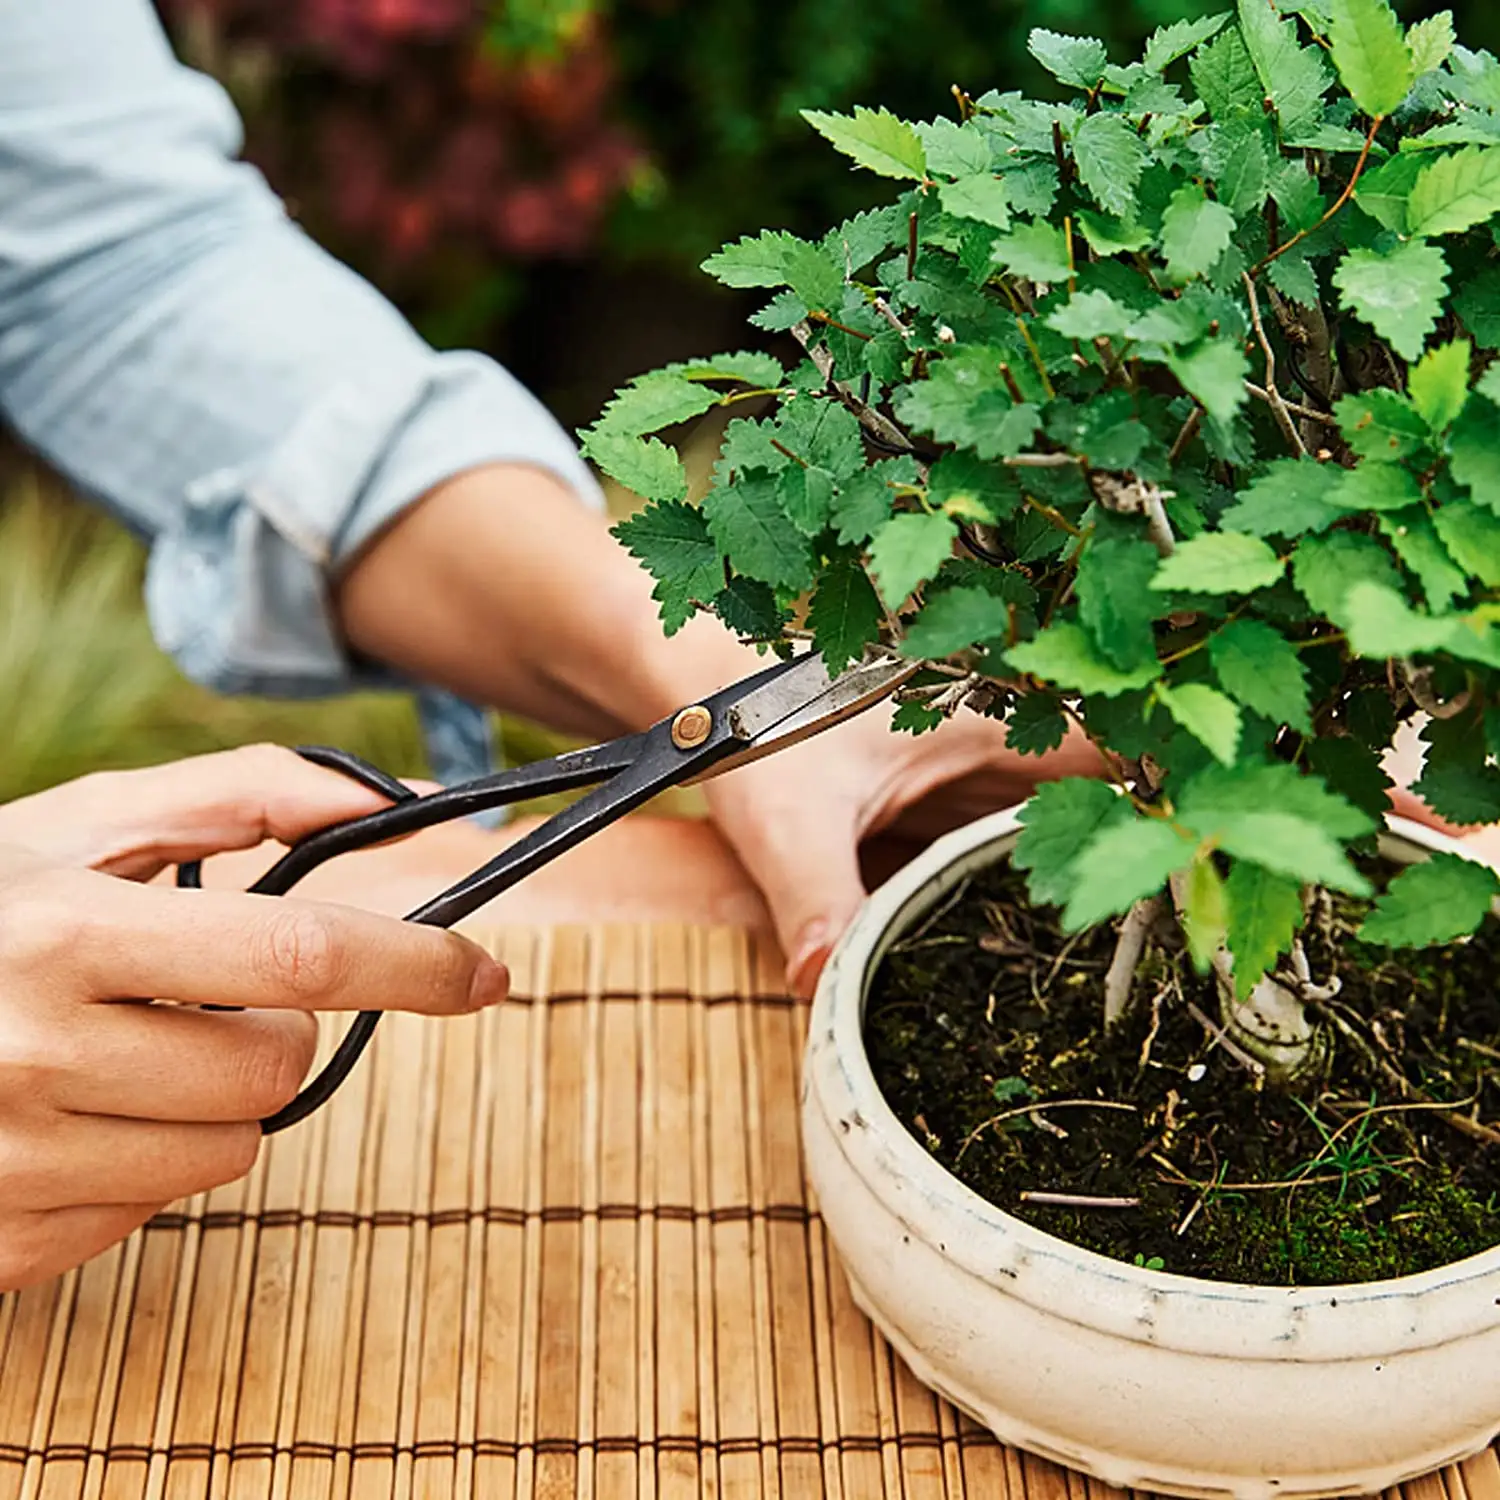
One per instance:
(987,1008)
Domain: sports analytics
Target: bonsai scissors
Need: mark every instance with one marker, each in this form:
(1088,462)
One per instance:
(765,712)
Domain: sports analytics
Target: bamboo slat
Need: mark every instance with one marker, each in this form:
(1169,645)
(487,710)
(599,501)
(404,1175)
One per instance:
(560,1251)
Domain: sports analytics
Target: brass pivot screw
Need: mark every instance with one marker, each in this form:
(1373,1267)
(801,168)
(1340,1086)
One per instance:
(691,727)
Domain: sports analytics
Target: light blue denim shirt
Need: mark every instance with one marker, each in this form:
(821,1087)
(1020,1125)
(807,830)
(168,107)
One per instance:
(185,354)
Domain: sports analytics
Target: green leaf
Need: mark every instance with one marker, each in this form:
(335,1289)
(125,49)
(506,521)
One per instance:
(756,535)
(1293,276)
(1195,230)
(1121,864)
(749,608)
(1257,666)
(1380,623)
(1378,487)
(1079,60)
(857,241)
(953,621)
(1466,795)
(1442,898)
(844,615)
(1398,293)
(1204,912)
(1107,236)
(1111,158)
(1057,823)
(654,402)
(863,503)
(1225,78)
(806,494)
(747,365)
(1035,725)
(1219,562)
(1371,54)
(1218,794)
(963,401)
(1265,911)
(1036,251)
(1472,537)
(1477,303)
(1381,425)
(955,150)
(1242,172)
(1439,383)
(1114,600)
(981,197)
(1064,654)
(1456,192)
(1384,191)
(1167,43)
(1430,42)
(961,483)
(1215,373)
(1090,315)
(1353,771)
(1326,568)
(1290,846)
(1211,718)
(671,540)
(823,433)
(1475,446)
(1288,499)
(645,466)
(915,718)
(1417,544)
(908,550)
(875,139)
(1294,77)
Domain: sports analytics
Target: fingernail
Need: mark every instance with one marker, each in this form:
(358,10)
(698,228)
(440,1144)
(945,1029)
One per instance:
(808,957)
(490,984)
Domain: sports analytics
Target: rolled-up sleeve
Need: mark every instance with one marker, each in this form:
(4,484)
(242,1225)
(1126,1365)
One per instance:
(183,352)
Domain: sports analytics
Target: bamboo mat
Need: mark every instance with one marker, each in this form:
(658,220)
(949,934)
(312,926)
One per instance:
(563,1249)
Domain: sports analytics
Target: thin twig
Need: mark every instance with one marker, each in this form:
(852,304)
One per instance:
(1338,202)
(1129,945)
(1186,434)
(1273,396)
(883,307)
(1480,1048)
(1298,408)
(876,423)
(1077,1200)
(1031,1109)
(1042,461)
(1250,1064)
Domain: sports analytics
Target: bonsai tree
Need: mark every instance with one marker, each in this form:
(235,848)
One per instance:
(1168,411)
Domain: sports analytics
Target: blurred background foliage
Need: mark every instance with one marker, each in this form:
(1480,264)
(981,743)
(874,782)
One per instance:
(537,178)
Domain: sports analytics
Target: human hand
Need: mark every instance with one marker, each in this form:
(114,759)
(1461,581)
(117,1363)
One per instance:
(111,1107)
(796,819)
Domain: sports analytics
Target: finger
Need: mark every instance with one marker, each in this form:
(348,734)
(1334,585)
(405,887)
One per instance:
(162,1062)
(136,823)
(35,1247)
(86,1159)
(118,940)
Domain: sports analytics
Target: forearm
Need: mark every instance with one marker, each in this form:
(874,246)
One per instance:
(499,585)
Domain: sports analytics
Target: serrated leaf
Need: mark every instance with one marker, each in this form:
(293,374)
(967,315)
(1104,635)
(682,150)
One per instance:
(908,550)
(1241,168)
(653,402)
(962,481)
(1472,537)
(955,150)
(1455,192)
(1293,276)
(857,241)
(1370,54)
(864,500)
(1114,602)
(1109,236)
(1079,60)
(1288,499)
(1430,42)
(806,493)
(963,401)
(645,466)
(955,620)
(1065,654)
(1439,383)
(756,535)
(1377,487)
(1325,568)
(1121,864)
(1205,912)
(1475,446)
(915,718)
(747,365)
(1380,623)
(785,310)
(822,432)
(755,260)
(1257,666)
(874,139)
(1195,231)
(1090,315)
(1290,846)
(1443,898)
(1211,718)
(1477,303)
(1418,545)
(1167,43)
(1381,425)
(1354,772)
(1218,794)
(1035,725)
(749,608)
(844,614)
(1399,293)
(1294,77)
(1384,191)
(981,197)
(1111,158)
(1225,78)
(1219,562)
(1057,823)
(1264,914)
(1036,251)
(671,541)
(1463,794)
(1214,372)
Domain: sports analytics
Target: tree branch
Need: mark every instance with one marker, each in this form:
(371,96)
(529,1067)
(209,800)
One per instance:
(1273,396)
(1129,946)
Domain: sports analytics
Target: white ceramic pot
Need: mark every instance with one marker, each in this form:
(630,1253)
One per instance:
(1145,1379)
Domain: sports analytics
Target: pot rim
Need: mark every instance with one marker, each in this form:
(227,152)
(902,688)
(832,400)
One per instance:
(1051,1273)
